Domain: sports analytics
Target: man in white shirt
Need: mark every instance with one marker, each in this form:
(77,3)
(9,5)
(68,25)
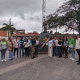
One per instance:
(16,45)
(56,46)
(77,47)
(50,48)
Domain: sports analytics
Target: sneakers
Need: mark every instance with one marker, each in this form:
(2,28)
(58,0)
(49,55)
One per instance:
(4,59)
(73,59)
(70,58)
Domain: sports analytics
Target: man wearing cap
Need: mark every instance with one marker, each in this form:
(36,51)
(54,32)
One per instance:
(21,46)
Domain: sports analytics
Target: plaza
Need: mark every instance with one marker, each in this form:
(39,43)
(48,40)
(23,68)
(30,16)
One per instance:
(40,68)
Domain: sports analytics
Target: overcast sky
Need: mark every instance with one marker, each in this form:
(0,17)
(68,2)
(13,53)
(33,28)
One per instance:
(26,14)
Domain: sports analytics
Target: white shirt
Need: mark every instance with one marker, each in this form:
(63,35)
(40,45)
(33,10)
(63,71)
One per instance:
(50,43)
(77,46)
(16,43)
(26,44)
(56,42)
(37,42)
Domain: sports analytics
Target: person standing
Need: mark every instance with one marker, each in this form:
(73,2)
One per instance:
(37,46)
(60,47)
(72,47)
(21,46)
(29,41)
(50,48)
(66,47)
(0,45)
(33,47)
(77,47)
(3,49)
(56,46)
(26,47)
(16,45)
(53,44)
(10,48)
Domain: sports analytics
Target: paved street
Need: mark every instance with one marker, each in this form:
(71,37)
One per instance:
(40,68)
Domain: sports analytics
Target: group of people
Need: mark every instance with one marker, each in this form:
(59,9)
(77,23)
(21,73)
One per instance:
(29,47)
(63,46)
(25,47)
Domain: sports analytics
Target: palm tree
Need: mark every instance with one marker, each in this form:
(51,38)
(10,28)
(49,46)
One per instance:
(9,28)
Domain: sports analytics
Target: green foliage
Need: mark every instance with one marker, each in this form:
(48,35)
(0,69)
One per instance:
(8,28)
(51,32)
(67,15)
(57,33)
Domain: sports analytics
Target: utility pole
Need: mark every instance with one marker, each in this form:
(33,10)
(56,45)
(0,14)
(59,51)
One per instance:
(43,15)
(10,21)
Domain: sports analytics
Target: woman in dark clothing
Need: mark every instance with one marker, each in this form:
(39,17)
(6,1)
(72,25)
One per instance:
(63,45)
(60,47)
(66,47)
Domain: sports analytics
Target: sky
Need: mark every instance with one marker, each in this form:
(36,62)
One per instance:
(26,14)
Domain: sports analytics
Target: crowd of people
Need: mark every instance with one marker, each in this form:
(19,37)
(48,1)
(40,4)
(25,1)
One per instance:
(24,47)
(63,46)
(57,46)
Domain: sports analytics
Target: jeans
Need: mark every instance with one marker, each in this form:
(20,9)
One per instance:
(30,51)
(56,50)
(36,50)
(53,51)
(21,48)
(72,52)
(3,53)
(10,54)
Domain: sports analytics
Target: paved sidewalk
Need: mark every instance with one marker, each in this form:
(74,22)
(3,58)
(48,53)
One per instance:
(40,68)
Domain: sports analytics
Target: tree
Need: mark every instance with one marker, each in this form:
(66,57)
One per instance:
(57,33)
(51,32)
(52,21)
(67,15)
(8,28)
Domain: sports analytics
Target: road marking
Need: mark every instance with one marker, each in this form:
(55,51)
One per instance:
(13,67)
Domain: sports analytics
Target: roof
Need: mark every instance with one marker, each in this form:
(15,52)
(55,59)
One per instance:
(3,33)
(18,34)
(28,34)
